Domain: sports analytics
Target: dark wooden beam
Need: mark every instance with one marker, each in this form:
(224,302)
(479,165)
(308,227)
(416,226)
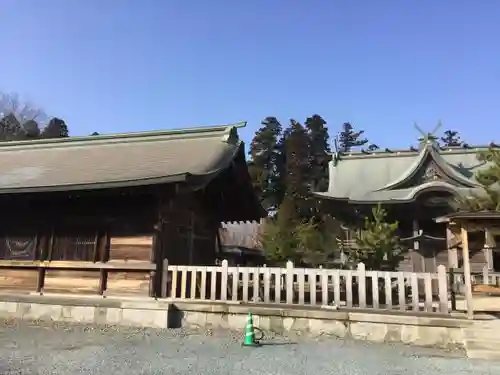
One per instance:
(104,258)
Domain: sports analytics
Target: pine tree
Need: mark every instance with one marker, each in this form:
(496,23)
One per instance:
(378,245)
(451,138)
(297,177)
(21,121)
(318,152)
(303,243)
(56,128)
(349,138)
(314,246)
(10,128)
(278,241)
(489,178)
(262,166)
(279,173)
(31,129)
(296,232)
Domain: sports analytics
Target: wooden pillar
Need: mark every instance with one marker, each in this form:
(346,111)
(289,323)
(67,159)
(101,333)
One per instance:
(157,259)
(467,276)
(416,248)
(43,253)
(192,234)
(452,249)
(489,244)
(103,249)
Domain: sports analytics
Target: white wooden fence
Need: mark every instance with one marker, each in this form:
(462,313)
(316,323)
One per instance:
(361,289)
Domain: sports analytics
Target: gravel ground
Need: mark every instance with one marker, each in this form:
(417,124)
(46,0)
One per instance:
(47,348)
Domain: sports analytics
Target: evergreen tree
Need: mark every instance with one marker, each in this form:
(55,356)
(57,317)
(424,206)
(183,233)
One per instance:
(378,245)
(279,237)
(314,246)
(56,128)
(10,128)
(303,243)
(279,173)
(264,154)
(296,232)
(31,129)
(318,152)
(278,242)
(451,138)
(489,178)
(349,138)
(297,177)
(19,120)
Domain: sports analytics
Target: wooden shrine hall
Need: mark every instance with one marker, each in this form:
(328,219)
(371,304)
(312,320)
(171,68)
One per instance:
(415,186)
(99,214)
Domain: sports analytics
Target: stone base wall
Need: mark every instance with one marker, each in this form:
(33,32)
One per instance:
(419,330)
(443,332)
(143,312)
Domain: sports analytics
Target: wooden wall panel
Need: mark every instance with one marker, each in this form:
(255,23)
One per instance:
(128,283)
(131,248)
(18,280)
(71,282)
(18,247)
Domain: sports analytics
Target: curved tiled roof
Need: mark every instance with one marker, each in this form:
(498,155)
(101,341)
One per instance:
(386,176)
(429,151)
(116,160)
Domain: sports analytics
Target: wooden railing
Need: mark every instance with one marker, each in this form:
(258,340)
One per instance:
(490,277)
(103,267)
(485,278)
(403,291)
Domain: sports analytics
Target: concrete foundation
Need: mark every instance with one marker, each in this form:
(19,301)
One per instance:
(420,330)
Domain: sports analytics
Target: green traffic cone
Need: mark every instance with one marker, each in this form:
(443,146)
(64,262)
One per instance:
(249,333)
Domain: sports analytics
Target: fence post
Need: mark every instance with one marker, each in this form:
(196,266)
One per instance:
(289,282)
(452,286)
(486,276)
(443,289)
(164,279)
(223,283)
(361,285)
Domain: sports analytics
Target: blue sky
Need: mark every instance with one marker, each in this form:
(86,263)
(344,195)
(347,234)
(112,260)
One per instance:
(130,65)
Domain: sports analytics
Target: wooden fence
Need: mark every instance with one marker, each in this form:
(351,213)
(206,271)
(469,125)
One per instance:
(362,289)
(487,278)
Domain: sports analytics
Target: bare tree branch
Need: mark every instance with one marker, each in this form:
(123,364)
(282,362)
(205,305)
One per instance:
(23,111)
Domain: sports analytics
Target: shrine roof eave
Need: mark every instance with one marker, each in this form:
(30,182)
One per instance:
(430,151)
(464,216)
(401,196)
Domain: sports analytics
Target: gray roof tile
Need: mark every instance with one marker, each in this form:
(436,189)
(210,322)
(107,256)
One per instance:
(376,177)
(115,160)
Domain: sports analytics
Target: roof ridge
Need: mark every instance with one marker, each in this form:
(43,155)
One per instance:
(405,152)
(228,133)
(428,151)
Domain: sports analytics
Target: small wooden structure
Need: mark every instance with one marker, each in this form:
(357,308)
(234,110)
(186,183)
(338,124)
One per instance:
(240,243)
(100,214)
(461,224)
